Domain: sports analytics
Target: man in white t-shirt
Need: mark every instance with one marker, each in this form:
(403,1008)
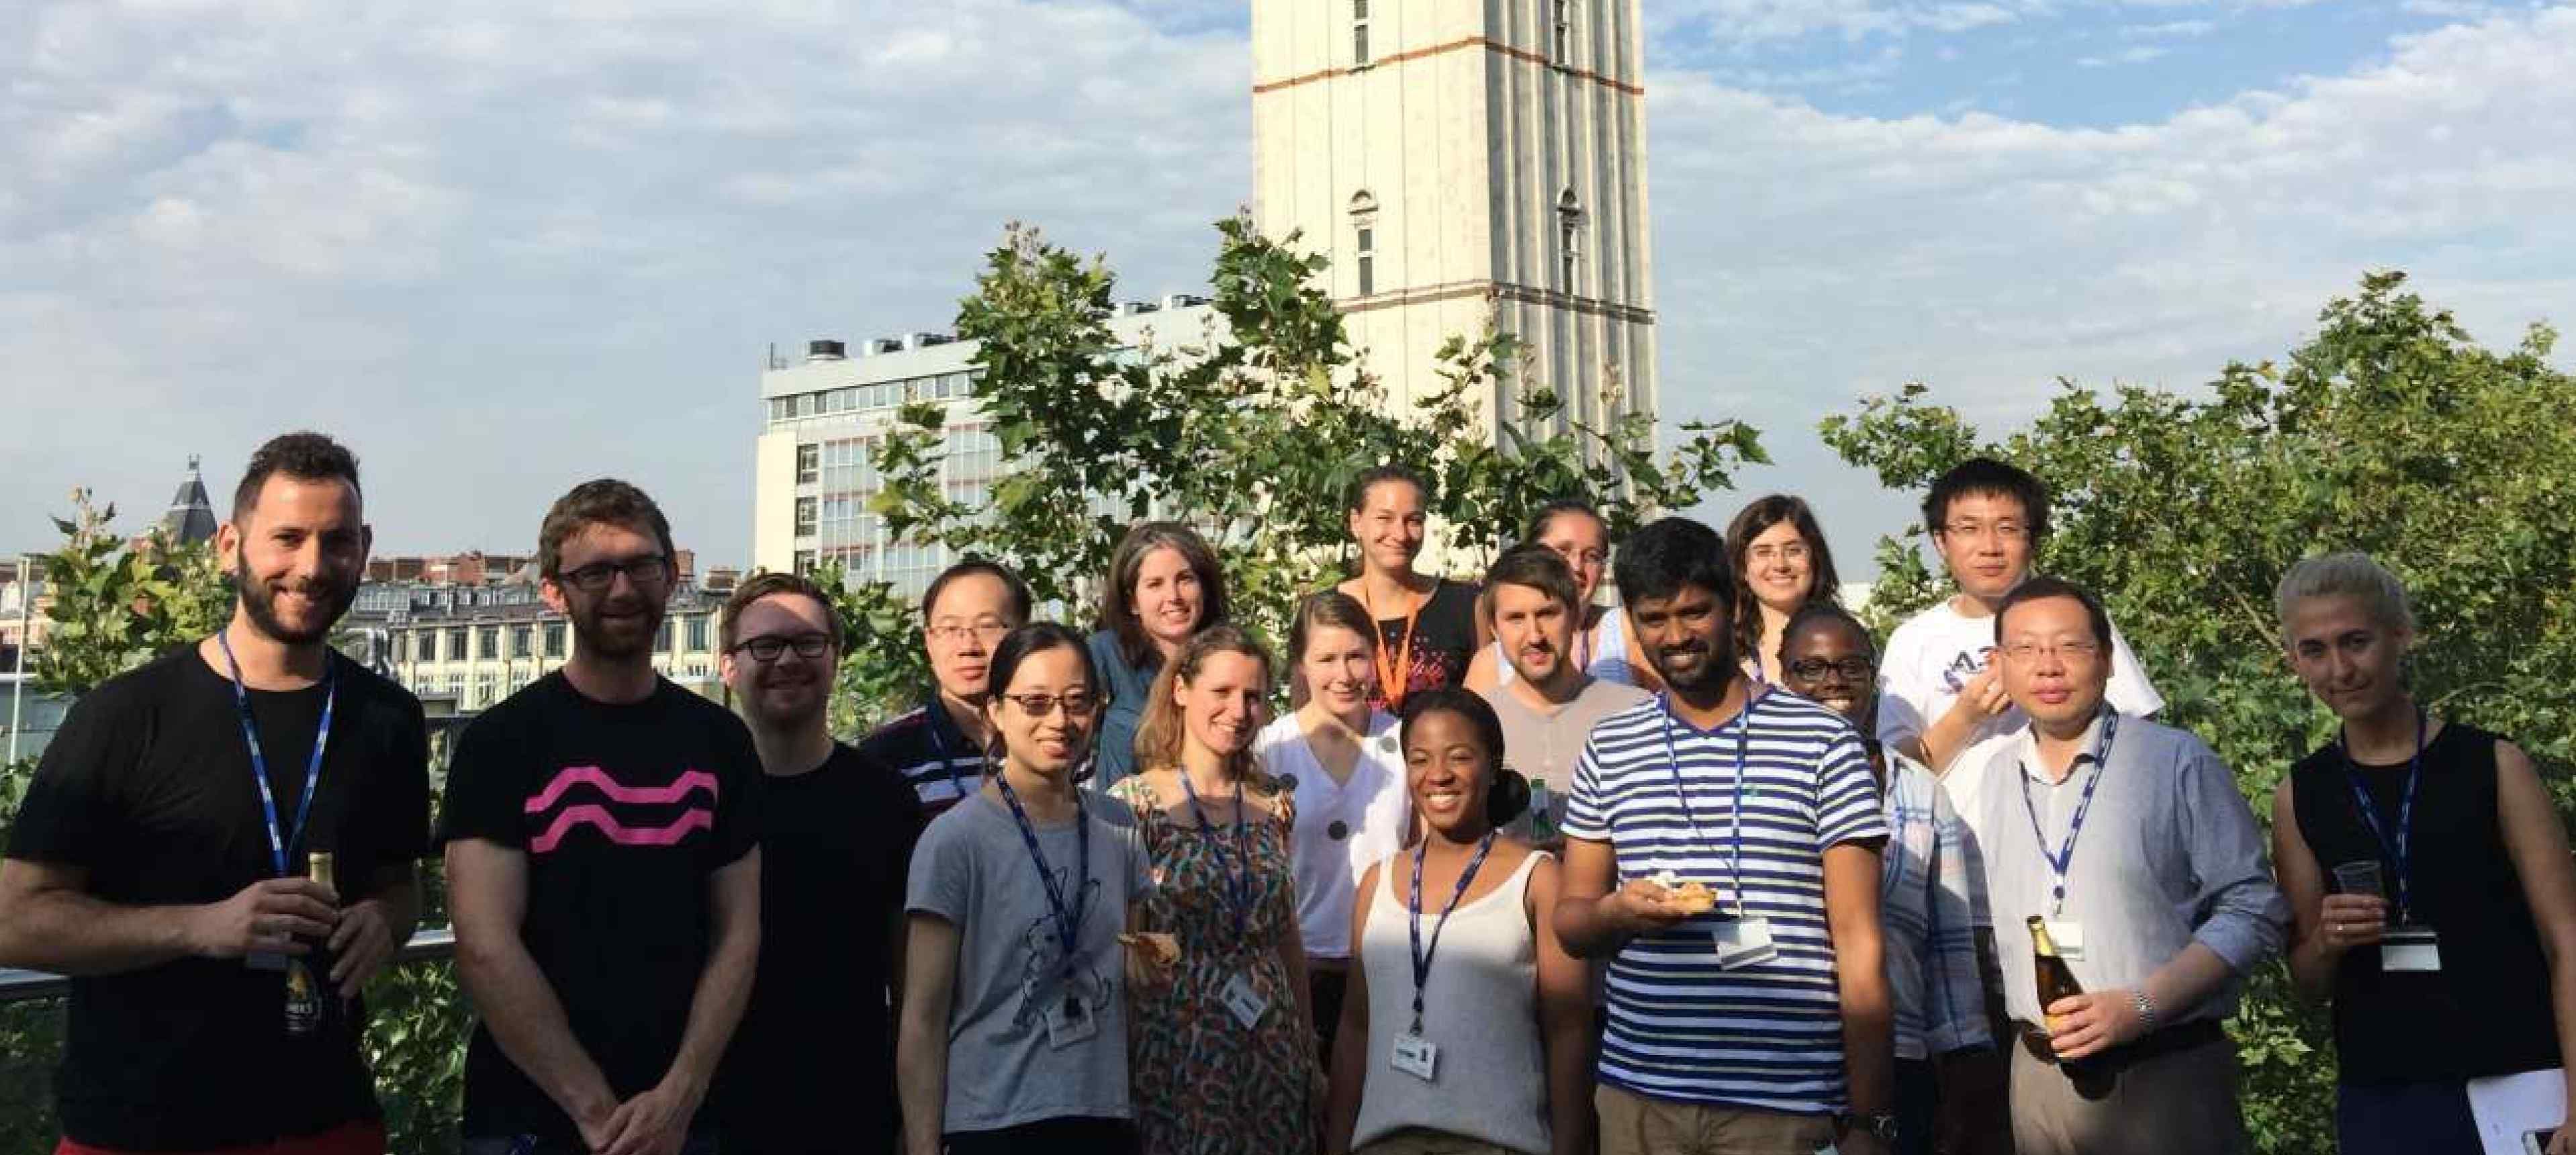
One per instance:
(1940,698)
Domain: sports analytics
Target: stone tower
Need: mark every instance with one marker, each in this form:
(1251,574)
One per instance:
(1453,157)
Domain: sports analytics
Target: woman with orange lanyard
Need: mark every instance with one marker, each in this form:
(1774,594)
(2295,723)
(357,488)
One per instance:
(1427,627)
(1222,1055)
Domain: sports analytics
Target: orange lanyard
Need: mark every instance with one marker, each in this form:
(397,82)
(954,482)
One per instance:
(1393,672)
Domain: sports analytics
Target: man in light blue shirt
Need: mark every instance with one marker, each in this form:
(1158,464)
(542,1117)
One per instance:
(2129,843)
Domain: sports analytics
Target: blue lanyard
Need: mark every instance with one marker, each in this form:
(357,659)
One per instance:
(2065,855)
(1743,724)
(2401,851)
(279,840)
(1422,955)
(1068,916)
(1238,885)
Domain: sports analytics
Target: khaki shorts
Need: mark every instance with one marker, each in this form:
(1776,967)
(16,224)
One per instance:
(1633,1124)
(1416,1141)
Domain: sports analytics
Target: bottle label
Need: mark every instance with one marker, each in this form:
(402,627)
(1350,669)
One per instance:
(303,999)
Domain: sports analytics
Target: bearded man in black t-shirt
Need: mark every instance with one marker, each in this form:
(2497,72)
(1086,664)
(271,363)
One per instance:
(161,856)
(602,866)
(813,1066)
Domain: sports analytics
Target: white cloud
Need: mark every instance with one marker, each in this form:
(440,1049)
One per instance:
(502,247)
(1807,258)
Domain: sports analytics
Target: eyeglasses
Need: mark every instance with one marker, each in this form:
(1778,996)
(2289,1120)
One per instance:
(1075,702)
(1999,530)
(2029,651)
(987,631)
(649,570)
(1849,669)
(1793,551)
(768,648)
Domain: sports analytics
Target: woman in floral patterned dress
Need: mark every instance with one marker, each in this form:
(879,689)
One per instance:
(1222,1056)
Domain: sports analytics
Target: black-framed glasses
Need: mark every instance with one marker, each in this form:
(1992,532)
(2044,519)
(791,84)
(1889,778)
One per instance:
(769,647)
(1075,702)
(1849,669)
(651,569)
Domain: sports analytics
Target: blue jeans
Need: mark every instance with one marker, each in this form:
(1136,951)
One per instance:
(2403,1118)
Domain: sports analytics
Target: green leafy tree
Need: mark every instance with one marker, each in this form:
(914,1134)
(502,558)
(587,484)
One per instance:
(119,604)
(1248,431)
(2390,431)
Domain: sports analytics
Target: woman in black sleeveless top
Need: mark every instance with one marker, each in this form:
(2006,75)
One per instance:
(2478,859)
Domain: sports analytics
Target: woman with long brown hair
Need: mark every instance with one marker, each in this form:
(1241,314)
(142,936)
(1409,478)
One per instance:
(1164,585)
(1781,564)
(1224,1053)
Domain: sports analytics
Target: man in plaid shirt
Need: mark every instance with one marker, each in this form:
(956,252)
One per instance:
(1948,1079)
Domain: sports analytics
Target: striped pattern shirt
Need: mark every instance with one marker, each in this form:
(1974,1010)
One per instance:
(936,760)
(1769,1035)
(1925,910)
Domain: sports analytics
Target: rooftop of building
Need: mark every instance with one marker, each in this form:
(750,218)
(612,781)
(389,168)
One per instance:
(833,363)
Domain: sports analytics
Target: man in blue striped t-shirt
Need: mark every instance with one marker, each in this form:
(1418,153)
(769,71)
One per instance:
(1762,1026)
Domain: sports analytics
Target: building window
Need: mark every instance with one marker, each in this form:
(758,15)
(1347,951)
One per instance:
(1364,240)
(1564,30)
(554,639)
(804,562)
(456,645)
(488,644)
(1569,236)
(1359,33)
(809,463)
(424,645)
(662,637)
(805,511)
(698,633)
(522,641)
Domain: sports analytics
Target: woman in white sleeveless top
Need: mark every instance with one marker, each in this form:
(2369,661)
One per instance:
(1490,1050)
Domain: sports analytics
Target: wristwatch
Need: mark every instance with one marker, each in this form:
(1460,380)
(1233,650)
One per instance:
(1882,1125)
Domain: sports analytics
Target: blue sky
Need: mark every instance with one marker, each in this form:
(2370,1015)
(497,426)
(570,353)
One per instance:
(504,247)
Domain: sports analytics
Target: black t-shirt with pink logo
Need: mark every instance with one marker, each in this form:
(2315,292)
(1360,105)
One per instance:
(623,811)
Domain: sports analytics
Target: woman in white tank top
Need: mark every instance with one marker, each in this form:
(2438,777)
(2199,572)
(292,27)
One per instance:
(1476,1040)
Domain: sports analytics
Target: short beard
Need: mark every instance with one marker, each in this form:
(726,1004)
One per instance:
(1713,673)
(594,638)
(261,606)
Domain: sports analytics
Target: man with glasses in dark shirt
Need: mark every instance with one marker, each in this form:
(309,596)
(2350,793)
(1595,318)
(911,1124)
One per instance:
(602,866)
(939,748)
(836,835)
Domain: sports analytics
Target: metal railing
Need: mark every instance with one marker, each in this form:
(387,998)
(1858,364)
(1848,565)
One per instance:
(26,986)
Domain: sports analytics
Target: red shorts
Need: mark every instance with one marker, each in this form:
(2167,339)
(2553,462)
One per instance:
(365,1137)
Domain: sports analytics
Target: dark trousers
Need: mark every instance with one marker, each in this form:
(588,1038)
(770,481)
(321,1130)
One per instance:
(1328,987)
(2404,1118)
(1069,1136)
(1918,1105)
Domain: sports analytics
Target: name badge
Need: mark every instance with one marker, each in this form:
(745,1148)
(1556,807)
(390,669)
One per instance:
(2410,948)
(1415,1056)
(1744,942)
(1245,1002)
(1069,1022)
(2069,936)
(1829,1149)
(264,961)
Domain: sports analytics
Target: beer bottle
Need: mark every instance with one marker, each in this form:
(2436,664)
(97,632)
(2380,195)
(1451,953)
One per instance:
(2056,980)
(311,1003)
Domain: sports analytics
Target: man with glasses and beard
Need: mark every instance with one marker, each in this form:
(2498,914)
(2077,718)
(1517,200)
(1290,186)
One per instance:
(836,835)
(1722,852)
(602,866)
(160,857)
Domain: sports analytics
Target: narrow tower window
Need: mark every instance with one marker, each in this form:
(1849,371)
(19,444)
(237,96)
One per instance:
(1359,32)
(1564,30)
(1569,238)
(1364,239)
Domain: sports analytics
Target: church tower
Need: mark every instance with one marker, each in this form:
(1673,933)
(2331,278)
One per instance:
(1453,157)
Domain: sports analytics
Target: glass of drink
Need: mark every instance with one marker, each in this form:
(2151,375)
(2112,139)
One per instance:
(2359,878)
